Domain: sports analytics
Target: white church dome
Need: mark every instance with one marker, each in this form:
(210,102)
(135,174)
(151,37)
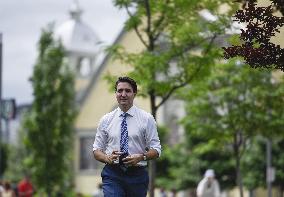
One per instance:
(76,36)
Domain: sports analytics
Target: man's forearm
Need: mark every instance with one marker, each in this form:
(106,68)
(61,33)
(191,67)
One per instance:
(152,154)
(100,156)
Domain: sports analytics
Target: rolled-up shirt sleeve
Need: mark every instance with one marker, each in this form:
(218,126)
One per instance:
(152,138)
(101,137)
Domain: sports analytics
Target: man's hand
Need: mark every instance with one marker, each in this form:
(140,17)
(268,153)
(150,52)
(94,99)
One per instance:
(113,157)
(132,160)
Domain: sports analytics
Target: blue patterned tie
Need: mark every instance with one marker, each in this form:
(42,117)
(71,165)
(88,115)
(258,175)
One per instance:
(124,135)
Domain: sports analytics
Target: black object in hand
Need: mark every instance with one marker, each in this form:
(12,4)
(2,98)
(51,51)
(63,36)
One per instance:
(122,156)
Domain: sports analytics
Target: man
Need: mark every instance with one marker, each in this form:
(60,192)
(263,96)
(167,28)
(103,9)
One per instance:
(208,186)
(126,138)
(25,187)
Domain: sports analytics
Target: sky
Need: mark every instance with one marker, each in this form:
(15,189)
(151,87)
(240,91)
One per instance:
(21,22)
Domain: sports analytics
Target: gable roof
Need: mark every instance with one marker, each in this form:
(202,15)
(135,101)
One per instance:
(101,67)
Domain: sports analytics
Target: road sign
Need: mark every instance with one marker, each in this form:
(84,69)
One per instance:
(8,109)
(270,174)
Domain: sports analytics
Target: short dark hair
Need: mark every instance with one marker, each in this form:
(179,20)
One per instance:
(129,80)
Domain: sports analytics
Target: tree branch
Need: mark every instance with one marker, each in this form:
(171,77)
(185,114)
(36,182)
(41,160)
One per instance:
(160,25)
(136,28)
(174,88)
(148,27)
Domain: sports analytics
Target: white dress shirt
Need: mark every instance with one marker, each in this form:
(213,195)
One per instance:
(142,132)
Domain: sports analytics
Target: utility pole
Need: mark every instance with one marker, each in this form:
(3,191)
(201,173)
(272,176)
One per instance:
(269,169)
(0,104)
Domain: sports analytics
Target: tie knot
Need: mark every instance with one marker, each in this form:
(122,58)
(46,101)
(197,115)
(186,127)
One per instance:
(124,115)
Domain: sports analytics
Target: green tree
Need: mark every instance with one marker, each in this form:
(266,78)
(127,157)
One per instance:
(232,106)
(16,161)
(179,46)
(278,163)
(187,161)
(198,153)
(49,125)
(254,163)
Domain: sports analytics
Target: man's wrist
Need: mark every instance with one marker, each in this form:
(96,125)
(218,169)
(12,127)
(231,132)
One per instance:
(145,158)
(106,159)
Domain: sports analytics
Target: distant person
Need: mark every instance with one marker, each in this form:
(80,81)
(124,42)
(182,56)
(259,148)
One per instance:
(173,192)
(25,187)
(1,186)
(208,186)
(14,188)
(99,191)
(163,192)
(8,191)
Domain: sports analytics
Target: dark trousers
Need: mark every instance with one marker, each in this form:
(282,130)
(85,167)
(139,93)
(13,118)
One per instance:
(119,183)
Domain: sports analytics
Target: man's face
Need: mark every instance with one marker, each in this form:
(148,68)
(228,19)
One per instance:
(125,95)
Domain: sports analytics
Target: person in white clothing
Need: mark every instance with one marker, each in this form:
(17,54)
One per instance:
(208,186)
(7,192)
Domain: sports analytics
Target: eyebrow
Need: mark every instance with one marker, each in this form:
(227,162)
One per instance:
(124,89)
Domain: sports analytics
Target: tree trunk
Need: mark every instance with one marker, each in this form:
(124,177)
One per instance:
(239,178)
(251,193)
(281,190)
(152,163)
(238,166)
(152,176)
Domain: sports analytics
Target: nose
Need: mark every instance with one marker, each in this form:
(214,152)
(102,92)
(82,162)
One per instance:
(123,93)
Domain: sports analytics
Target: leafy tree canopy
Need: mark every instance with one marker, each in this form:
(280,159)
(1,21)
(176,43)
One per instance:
(49,125)
(225,112)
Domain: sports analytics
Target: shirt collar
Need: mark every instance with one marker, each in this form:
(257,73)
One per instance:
(129,112)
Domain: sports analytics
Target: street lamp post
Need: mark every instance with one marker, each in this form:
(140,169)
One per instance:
(270,171)
(268,166)
(0,103)
(270,174)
